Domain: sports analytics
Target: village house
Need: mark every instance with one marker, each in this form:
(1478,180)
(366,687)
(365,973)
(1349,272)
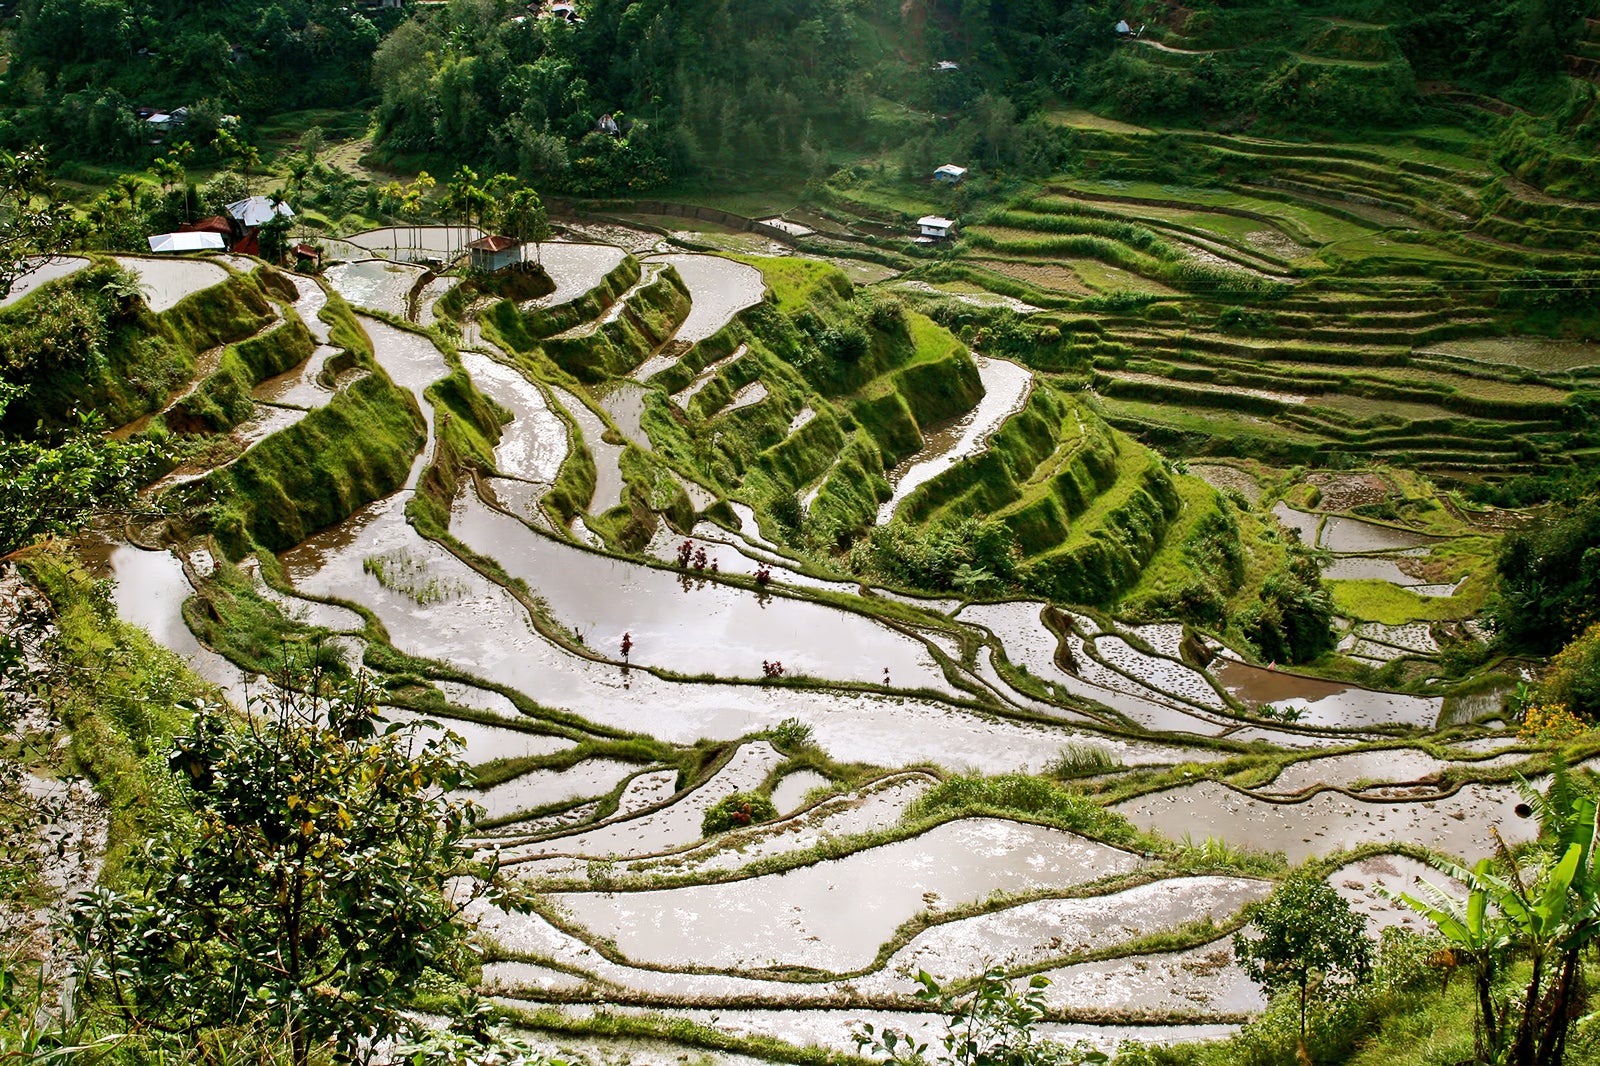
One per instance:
(493,253)
(950,174)
(935,227)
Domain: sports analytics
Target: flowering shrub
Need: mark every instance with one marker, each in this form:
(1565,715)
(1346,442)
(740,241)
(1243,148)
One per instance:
(739,809)
(1551,723)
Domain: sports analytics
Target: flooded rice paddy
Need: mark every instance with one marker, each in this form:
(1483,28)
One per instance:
(795,954)
(1005,390)
(164,282)
(42,274)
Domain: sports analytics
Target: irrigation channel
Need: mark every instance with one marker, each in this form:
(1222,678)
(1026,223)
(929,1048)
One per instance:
(804,928)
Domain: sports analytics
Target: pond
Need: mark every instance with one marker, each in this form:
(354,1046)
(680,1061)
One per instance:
(1329,704)
(375,284)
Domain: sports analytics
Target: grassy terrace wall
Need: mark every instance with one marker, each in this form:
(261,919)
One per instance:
(647,319)
(222,400)
(143,356)
(357,448)
(522,330)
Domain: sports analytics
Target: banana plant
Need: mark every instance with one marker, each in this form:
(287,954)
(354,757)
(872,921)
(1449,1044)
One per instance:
(1544,910)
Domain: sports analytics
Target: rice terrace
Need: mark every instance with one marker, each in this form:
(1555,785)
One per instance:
(829,533)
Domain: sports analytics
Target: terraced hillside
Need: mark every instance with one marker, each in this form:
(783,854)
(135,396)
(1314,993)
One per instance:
(655,531)
(1407,301)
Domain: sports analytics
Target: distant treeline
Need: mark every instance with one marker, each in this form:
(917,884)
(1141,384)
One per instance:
(697,86)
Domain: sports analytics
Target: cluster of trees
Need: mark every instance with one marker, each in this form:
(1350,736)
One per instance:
(78,68)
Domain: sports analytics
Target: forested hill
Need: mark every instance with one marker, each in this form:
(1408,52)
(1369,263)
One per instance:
(791,85)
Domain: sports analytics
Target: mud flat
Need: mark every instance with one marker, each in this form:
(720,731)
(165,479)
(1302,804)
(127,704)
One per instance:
(1330,704)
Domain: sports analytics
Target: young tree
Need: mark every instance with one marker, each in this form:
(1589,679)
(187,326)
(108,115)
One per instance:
(992,1024)
(527,220)
(50,482)
(1308,940)
(310,888)
(33,224)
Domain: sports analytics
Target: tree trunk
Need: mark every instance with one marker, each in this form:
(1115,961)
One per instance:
(1558,1016)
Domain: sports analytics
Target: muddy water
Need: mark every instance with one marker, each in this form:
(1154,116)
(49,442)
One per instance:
(749,396)
(1475,707)
(791,791)
(1370,568)
(869,808)
(658,830)
(1005,389)
(534,444)
(1162,675)
(417,242)
(834,1029)
(485,742)
(149,591)
(624,402)
(1358,883)
(166,281)
(313,298)
(1460,824)
(1033,933)
(688,626)
(1201,980)
(521,498)
(413,363)
(298,387)
(718,289)
(1300,521)
(1391,765)
(375,284)
(833,915)
(1329,704)
(485,631)
(1342,534)
(607,457)
(730,558)
(647,790)
(540,788)
(575,268)
(41,276)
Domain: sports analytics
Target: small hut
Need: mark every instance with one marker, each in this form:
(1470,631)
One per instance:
(493,253)
(950,174)
(935,227)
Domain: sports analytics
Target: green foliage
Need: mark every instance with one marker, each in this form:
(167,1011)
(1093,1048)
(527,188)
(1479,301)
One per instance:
(1543,908)
(1308,940)
(789,735)
(53,482)
(1081,760)
(736,811)
(1549,585)
(936,557)
(1027,797)
(33,223)
(1573,679)
(308,890)
(992,1024)
(1292,622)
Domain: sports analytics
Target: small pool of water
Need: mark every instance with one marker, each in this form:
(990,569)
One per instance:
(41,275)
(1330,704)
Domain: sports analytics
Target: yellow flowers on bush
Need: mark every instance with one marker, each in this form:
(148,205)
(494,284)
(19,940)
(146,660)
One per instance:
(1551,723)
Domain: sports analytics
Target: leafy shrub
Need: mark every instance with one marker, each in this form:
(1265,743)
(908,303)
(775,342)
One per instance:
(1574,677)
(738,810)
(789,735)
(1027,797)
(1081,760)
